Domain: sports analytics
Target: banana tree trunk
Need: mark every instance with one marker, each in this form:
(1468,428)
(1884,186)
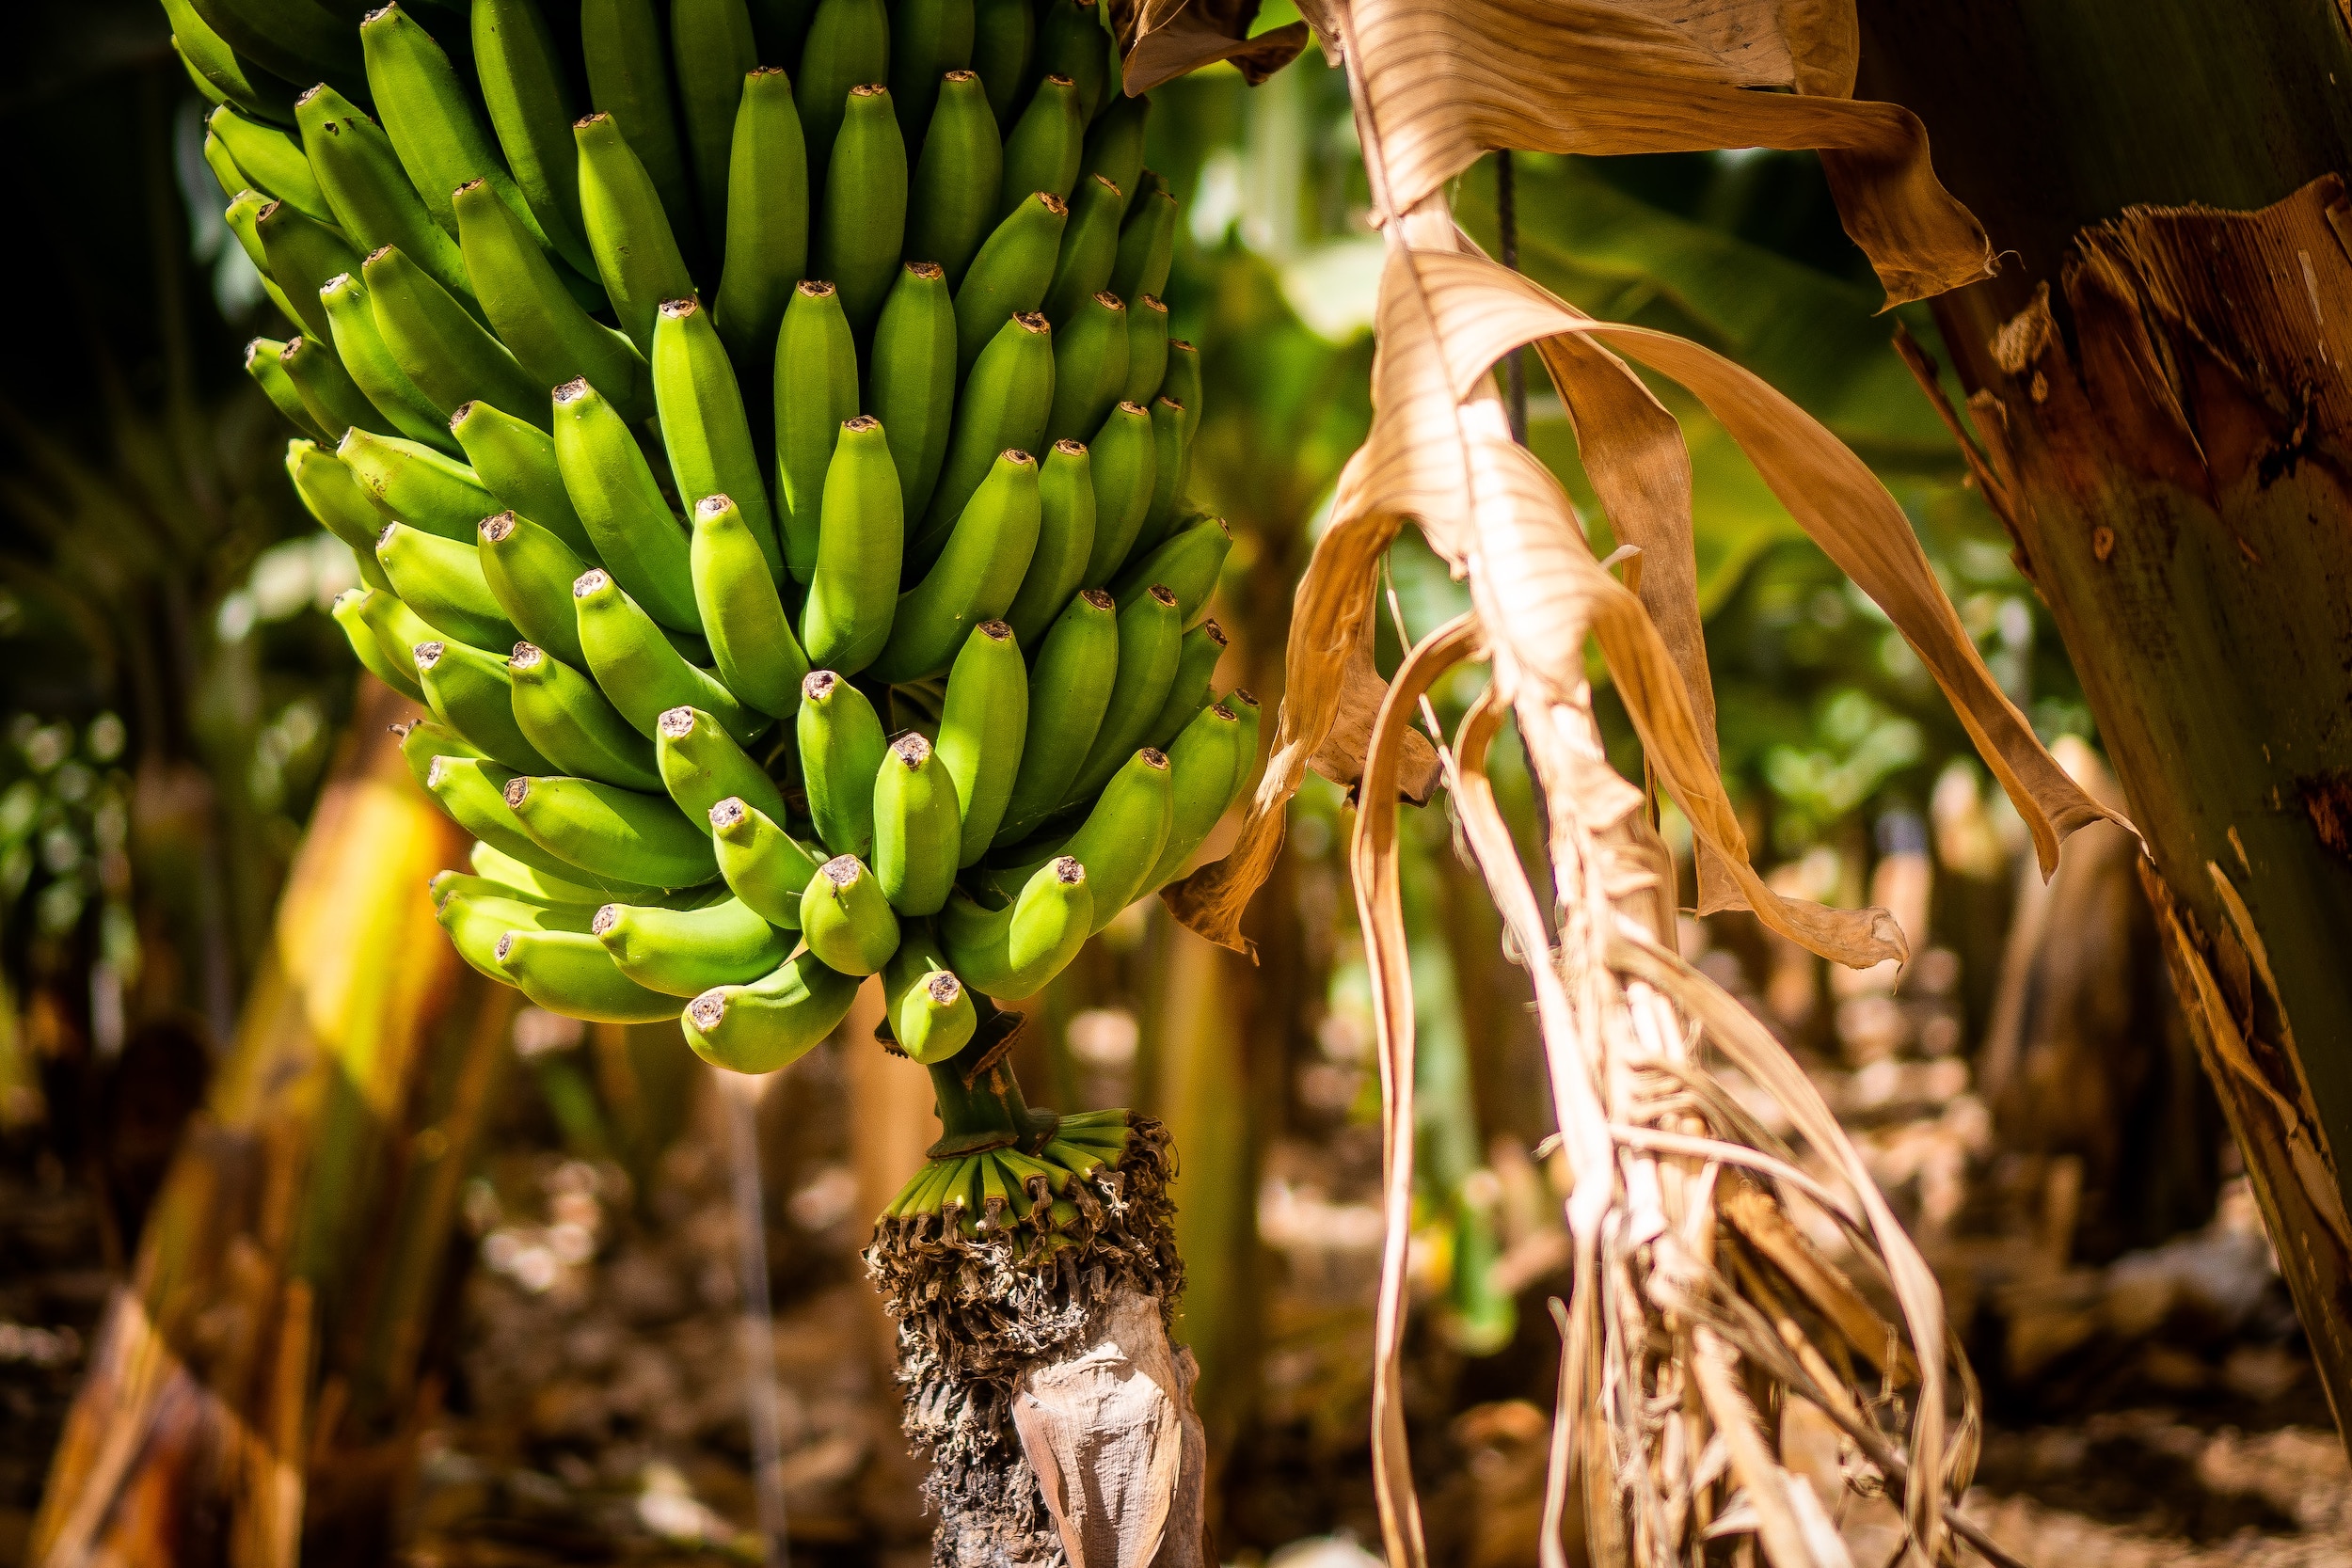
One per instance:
(2158,380)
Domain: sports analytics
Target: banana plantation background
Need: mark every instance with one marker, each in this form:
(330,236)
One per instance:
(524,1232)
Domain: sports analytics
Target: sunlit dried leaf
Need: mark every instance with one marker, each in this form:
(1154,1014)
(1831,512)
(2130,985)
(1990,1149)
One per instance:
(1340,757)
(1163,39)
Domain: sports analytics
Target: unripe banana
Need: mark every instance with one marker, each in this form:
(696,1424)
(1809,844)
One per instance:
(1089,243)
(1009,274)
(1089,367)
(954,189)
(569,972)
(475,922)
(847,46)
(1070,688)
(1004,36)
(772,1022)
(1065,538)
(1188,561)
(913,379)
(1170,471)
(703,425)
(601,828)
(1244,707)
(767,214)
(845,920)
(1147,244)
(976,578)
(303,254)
(515,461)
(1181,386)
(1114,145)
(1123,836)
(764,866)
(398,631)
(371,367)
(1011,953)
(412,483)
(816,392)
(621,507)
(927,39)
(855,590)
(751,637)
(550,337)
(440,347)
(421,741)
(1188,693)
(472,790)
(362,180)
(1043,149)
(242,214)
(1003,407)
(1202,767)
(1150,645)
(628,232)
(862,227)
(241,82)
(1147,348)
(441,581)
(226,174)
(628,78)
(331,496)
(325,391)
(1069,42)
(982,726)
(471,692)
(932,1015)
(841,750)
(638,669)
(918,831)
(1123,462)
(712,46)
(265,362)
(527,90)
(369,647)
(573,726)
(271,161)
(701,765)
(530,884)
(686,952)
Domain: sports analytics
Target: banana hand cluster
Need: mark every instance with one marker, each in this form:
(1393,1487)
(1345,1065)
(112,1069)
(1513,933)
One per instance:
(769,472)
(1001,1189)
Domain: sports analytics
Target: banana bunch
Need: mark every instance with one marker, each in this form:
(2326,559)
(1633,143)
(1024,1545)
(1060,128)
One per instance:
(772,480)
(999,1189)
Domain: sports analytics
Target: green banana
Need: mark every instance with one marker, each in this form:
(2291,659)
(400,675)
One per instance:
(242,214)
(976,578)
(440,346)
(628,78)
(1003,407)
(767,233)
(1147,244)
(1069,41)
(515,461)
(362,179)
(428,111)
(1089,243)
(529,94)
(701,765)
(932,1015)
(598,827)
(1043,149)
(569,913)
(1169,473)
(622,509)
(772,1022)
(398,633)
(862,224)
(1189,562)
(1207,767)
(953,191)
(854,592)
(712,43)
(579,732)
(331,496)
(841,750)
(816,391)
(370,649)
(412,483)
(847,46)
(550,337)
(927,39)
(271,161)
(470,691)
(628,232)
(472,790)
(265,363)
(751,637)
(1147,347)
(242,82)
(441,581)
(1009,275)
(919,835)
(1181,385)
(638,668)
(765,866)
(371,367)
(1188,693)
(845,919)
(496,865)
(476,922)
(1065,538)
(703,426)
(982,725)
(1123,462)
(325,390)
(1070,688)
(569,972)
(297,43)
(1004,36)
(225,173)
(686,952)
(1151,644)
(1123,836)
(1011,953)
(421,741)
(913,378)
(1114,144)
(303,253)
(1089,367)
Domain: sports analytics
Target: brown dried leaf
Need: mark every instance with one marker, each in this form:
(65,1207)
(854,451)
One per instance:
(1162,40)
(1341,757)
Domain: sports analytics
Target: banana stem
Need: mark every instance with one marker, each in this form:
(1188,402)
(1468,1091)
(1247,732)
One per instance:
(981,1103)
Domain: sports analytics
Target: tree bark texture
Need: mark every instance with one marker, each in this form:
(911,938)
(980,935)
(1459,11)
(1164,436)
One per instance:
(2158,381)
